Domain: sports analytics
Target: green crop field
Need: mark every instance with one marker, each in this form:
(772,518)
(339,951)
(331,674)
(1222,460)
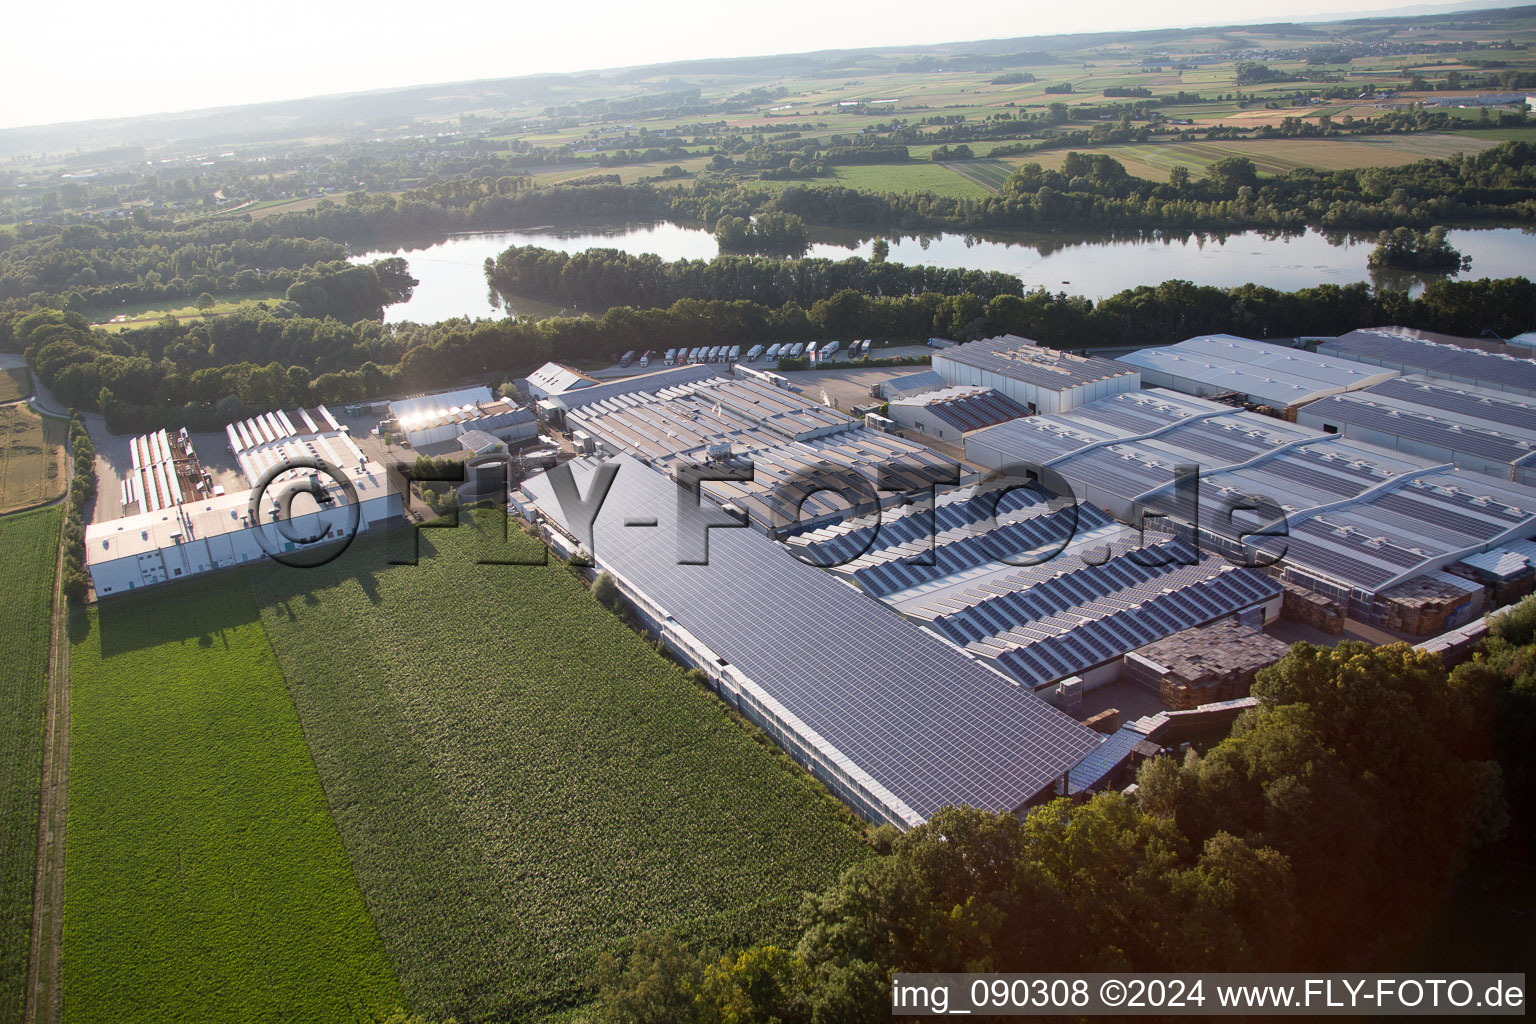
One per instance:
(205,880)
(522,782)
(989,174)
(1270,156)
(29,549)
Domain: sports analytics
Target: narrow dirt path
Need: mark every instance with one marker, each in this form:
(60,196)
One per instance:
(44,989)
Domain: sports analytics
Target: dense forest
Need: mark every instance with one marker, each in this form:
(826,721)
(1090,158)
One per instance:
(204,373)
(600,278)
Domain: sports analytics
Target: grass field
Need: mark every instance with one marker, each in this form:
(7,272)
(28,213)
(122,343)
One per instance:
(916,176)
(15,384)
(29,547)
(1272,156)
(989,174)
(32,467)
(144,313)
(522,782)
(205,880)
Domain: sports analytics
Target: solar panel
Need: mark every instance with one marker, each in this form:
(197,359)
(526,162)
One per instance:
(930,725)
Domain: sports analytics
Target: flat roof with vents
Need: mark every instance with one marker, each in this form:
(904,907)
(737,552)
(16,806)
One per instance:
(1022,360)
(1263,372)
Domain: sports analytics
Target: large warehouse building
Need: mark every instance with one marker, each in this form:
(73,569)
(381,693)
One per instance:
(439,418)
(1044,590)
(1038,378)
(554,406)
(801,452)
(893,719)
(1413,352)
(1361,519)
(1474,428)
(205,533)
(1263,373)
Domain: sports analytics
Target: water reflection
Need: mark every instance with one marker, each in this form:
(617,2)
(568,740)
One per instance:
(1096,264)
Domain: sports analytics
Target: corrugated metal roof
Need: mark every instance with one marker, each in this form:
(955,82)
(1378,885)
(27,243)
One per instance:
(1277,375)
(1023,360)
(1393,347)
(966,408)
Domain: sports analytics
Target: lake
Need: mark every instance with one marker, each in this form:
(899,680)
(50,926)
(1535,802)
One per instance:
(453,282)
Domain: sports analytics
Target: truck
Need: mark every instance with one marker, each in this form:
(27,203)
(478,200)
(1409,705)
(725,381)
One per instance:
(773,351)
(754,353)
(829,348)
(796,350)
(810,352)
(734,354)
(645,359)
(626,358)
(695,356)
(671,356)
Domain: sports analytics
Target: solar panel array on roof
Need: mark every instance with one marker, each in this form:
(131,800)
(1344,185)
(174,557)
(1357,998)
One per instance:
(928,724)
(1023,360)
(966,408)
(1389,348)
(1423,429)
(1390,514)
(1092,772)
(1276,375)
(648,382)
(1067,615)
(1476,428)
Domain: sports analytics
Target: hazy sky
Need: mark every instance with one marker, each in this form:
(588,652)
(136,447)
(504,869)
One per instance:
(75,61)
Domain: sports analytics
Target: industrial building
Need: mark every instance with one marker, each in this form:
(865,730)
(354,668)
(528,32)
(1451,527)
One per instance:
(909,384)
(810,464)
(1498,367)
(889,716)
(200,534)
(439,418)
(1357,519)
(1039,379)
(164,471)
(1260,372)
(1474,428)
(555,379)
(554,407)
(1044,589)
(951,413)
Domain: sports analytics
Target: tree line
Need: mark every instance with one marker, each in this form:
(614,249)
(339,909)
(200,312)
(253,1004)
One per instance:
(1322,834)
(203,373)
(600,278)
(76,580)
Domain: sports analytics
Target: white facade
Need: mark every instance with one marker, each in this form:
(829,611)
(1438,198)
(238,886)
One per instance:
(196,537)
(191,537)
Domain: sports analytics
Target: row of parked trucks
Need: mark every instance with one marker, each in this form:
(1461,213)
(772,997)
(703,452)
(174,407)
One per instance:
(732,353)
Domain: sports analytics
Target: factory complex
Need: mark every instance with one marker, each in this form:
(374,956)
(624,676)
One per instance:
(919,629)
